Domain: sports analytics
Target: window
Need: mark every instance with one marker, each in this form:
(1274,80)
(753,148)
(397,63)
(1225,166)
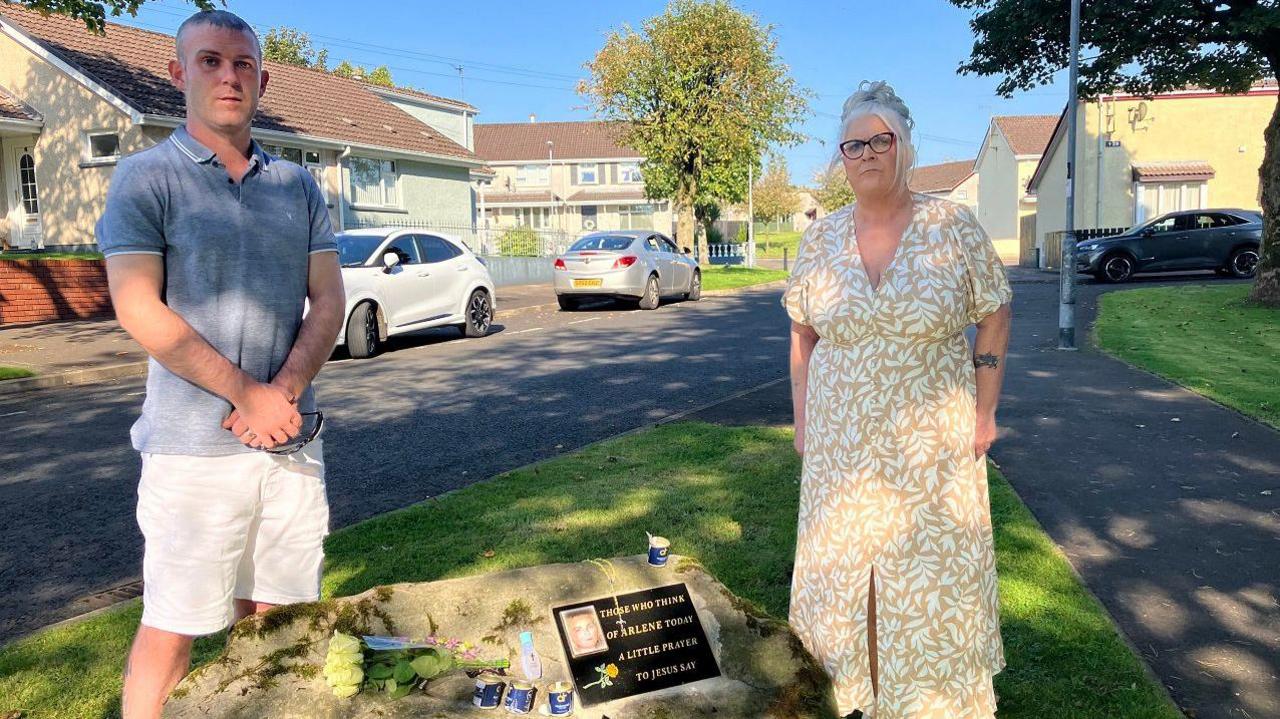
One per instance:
(27,181)
(292,154)
(651,244)
(636,217)
(373,182)
(588,174)
(533,175)
(406,249)
(435,249)
(629,172)
(535,217)
(1158,198)
(311,157)
(669,246)
(104,146)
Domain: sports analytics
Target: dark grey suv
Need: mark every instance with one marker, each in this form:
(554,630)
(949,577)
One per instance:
(1224,240)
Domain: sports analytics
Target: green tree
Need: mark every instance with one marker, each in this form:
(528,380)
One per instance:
(292,46)
(380,76)
(94,12)
(831,188)
(774,198)
(703,93)
(346,69)
(1145,47)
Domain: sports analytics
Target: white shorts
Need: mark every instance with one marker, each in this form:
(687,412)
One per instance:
(244,526)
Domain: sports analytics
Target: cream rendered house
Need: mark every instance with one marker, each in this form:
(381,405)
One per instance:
(564,178)
(1138,158)
(73,103)
(1010,152)
(955,181)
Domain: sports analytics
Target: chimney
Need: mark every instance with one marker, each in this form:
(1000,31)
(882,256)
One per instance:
(532,118)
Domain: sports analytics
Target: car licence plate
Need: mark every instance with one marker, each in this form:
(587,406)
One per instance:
(593,282)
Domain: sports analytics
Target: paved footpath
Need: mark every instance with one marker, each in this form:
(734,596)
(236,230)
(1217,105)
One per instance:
(1166,503)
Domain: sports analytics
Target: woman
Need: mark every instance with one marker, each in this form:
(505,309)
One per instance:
(895,585)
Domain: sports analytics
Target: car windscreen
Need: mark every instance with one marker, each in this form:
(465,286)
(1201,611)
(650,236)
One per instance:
(354,250)
(602,242)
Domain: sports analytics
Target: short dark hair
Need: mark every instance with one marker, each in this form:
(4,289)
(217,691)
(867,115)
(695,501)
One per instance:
(217,18)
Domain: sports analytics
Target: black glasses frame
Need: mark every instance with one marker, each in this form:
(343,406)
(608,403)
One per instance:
(854,149)
(294,445)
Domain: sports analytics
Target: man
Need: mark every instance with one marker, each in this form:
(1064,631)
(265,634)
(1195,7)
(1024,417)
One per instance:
(212,248)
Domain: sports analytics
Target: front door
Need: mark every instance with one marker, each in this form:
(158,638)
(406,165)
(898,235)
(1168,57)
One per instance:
(23,196)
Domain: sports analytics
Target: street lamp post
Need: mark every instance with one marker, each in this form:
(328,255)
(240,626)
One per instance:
(1067,271)
(751,225)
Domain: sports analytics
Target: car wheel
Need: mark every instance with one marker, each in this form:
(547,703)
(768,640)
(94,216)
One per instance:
(568,304)
(695,287)
(362,331)
(649,301)
(479,315)
(1243,262)
(1116,268)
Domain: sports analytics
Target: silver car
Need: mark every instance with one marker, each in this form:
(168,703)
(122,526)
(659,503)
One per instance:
(640,265)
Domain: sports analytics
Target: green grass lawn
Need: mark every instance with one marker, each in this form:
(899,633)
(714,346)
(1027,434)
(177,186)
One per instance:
(50,255)
(14,372)
(727,496)
(728,277)
(771,244)
(1205,338)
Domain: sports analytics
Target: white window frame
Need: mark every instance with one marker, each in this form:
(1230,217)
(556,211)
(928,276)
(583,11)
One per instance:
(595,173)
(625,168)
(318,171)
(386,194)
(88,158)
(1141,189)
(537,218)
(628,213)
(541,175)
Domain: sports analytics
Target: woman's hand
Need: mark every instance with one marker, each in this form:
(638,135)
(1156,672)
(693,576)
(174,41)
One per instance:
(984,433)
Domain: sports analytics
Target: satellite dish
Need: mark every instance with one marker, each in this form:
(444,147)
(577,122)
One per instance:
(588,224)
(1141,113)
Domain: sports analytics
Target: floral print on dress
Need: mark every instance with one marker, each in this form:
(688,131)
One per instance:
(889,480)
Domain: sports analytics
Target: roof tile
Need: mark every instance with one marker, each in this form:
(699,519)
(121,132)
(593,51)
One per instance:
(943,177)
(1028,134)
(134,64)
(508,141)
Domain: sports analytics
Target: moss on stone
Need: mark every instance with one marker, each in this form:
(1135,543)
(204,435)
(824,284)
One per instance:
(808,695)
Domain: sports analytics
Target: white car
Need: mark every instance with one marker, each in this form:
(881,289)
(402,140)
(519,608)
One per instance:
(403,280)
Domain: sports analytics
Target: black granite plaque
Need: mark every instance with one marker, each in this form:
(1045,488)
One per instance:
(634,643)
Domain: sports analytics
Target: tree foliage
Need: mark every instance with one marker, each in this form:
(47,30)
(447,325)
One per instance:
(94,12)
(831,188)
(704,94)
(1144,47)
(774,198)
(292,46)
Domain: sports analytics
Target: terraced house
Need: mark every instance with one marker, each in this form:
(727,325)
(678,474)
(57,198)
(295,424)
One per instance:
(1010,152)
(72,103)
(565,178)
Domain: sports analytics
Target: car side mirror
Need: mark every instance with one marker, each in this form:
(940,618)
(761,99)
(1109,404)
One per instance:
(687,251)
(1148,232)
(389,261)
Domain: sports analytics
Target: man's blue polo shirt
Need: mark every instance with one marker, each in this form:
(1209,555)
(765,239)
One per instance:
(236,264)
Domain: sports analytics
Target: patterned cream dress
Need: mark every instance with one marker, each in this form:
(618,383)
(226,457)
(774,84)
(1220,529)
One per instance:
(890,481)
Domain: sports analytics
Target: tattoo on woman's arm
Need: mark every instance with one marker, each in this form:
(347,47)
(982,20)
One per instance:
(986,361)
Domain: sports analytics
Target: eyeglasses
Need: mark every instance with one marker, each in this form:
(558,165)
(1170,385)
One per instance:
(880,144)
(303,437)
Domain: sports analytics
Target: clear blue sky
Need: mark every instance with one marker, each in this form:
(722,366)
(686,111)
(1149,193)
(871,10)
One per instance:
(522,58)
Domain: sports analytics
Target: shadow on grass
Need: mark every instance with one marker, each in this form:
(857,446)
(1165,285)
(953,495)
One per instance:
(727,496)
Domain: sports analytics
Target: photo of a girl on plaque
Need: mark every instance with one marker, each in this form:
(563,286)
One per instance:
(583,629)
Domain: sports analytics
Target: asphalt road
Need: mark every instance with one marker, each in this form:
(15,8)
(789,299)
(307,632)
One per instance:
(434,413)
